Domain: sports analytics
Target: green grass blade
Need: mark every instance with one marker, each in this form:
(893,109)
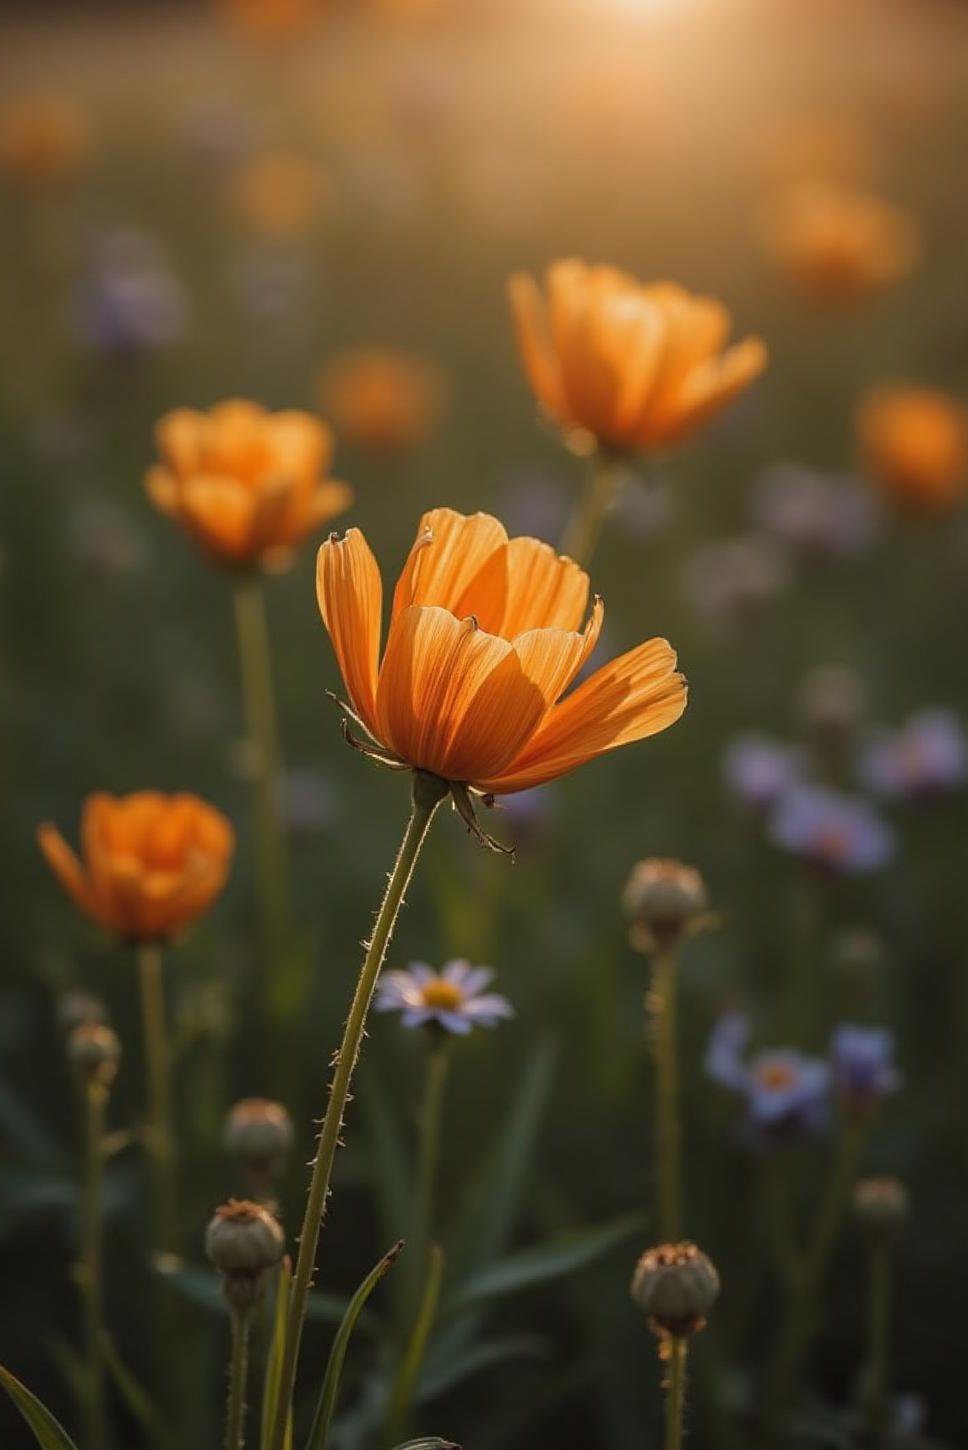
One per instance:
(337,1355)
(48,1432)
(277,1348)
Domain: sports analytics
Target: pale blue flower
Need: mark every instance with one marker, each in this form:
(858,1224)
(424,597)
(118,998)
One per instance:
(453,998)
(862,1063)
(842,834)
(786,1093)
(927,756)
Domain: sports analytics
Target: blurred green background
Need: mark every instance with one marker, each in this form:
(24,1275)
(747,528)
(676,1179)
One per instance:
(454,145)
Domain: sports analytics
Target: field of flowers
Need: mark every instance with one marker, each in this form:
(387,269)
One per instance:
(427,1019)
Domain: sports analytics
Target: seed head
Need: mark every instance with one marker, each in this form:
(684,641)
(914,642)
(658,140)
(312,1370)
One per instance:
(259,1131)
(881,1206)
(95,1050)
(244,1242)
(665,901)
(676,1285)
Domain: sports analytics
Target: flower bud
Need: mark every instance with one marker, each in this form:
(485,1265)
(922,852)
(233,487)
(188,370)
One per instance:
(94,1049)
(244,1242)
(676,1285)
(831,705)
(80,1007)
(880,1206)
(259,1132)
(858,955)
(665,900)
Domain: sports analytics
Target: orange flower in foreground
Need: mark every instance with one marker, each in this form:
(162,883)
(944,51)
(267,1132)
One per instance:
(914,444)
(247,483)
(382,398)
(633,366)
(838,244)
(151,863)
(485,640)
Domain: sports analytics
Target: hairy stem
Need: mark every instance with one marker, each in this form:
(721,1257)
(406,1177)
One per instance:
(584,528)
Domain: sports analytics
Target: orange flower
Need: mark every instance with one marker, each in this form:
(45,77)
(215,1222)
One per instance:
(485,640)
(382,398)
(151,863)
(914,444)
(625,365)
(43,138)
(279,194)
(271,19)
(247,483)
(839,244)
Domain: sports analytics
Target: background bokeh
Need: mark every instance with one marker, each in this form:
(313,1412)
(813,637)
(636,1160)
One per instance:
(437,148)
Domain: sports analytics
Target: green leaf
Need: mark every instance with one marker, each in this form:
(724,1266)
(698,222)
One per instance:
(488,1221)
(337,1355)
(132,1393)
(404,1385)
(444,1371)
(274,1359)
(48,1432)
(431,1442)
(564,1254)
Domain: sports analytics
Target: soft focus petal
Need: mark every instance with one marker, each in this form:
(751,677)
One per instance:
(349,592)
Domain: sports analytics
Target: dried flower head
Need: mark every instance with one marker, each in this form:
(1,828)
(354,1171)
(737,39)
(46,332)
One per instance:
(247,484)
(79,1008)
(665,901)
(244,1241)
(881,1206)
(150,863)
(676,1285)
(95,1050)
(625,366)
(258,1131)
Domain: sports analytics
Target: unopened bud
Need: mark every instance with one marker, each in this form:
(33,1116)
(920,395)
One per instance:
(95,1051)
(259,1132)
(244,1242)
(880,1206)
(676,1285)
(831,703)
(665,901)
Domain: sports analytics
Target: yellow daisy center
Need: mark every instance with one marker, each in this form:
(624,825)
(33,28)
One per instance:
(442,994)
(776,1076)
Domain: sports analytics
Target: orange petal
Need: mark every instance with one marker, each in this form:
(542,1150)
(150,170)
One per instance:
(178,437)
(710,389)
(634,696)
(301,445)
(534,343)
(452,698)
(220,511)
(455,563)
(349,591)
(162,489)
(68,869)
(551,658)
(544,589)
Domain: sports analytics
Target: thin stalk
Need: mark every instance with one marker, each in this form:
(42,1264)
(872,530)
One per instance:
(602,487)
(272,871)
(238,1376)
(405,1383)
(805,1286)
(428,792)
(677,1347)
(801,1002)
(160,1134)
(92,1228)
(880,1295)
(431,1115)
(661,1006)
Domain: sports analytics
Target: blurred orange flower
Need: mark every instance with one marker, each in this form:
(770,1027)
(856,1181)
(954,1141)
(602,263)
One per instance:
(248,484)
(279,194)
(384,399)
(270,19)
(151,863)
(43,138)
(485,639)
(914,445)
(838,244)
(625,365)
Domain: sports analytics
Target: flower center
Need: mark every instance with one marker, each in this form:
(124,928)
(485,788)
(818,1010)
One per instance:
(775,1076)
(442,994)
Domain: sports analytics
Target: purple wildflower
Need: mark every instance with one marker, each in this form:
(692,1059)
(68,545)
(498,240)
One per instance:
(786,1092)
(130,301)
(842,834)
(817,515)
(758,770)
(862,1065)
(927,756)
(453,999)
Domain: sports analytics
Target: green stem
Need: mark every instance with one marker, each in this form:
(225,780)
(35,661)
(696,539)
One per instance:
(401,1395)
(801,1004)
(262,732)
(160,1134)
(677,1348)
(879,1305)
(428,792)
(92,1209)
(431,1114)
(602,487)
(661,1005)
(238,1375)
